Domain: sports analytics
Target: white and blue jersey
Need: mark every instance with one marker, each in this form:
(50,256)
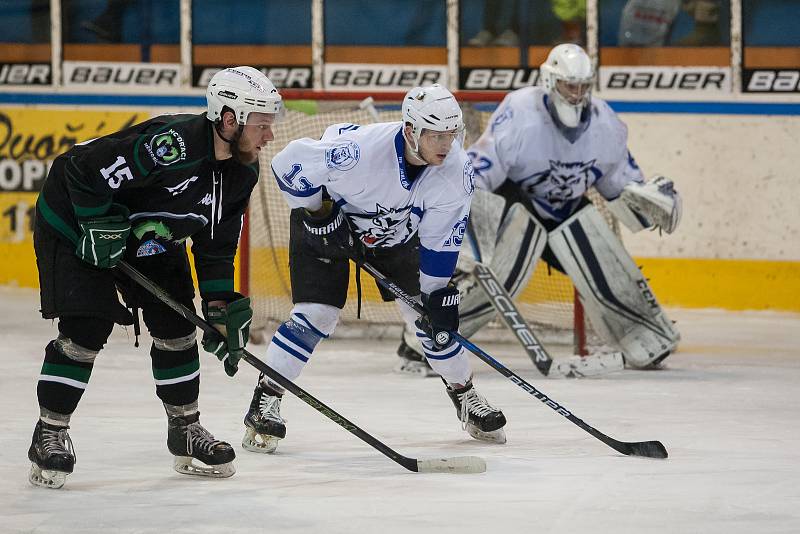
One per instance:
(363,169)
(524,144)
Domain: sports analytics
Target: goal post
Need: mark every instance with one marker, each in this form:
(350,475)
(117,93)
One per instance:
(548,301)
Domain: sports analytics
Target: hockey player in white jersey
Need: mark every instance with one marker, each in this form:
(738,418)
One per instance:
(396,195)
(544,148)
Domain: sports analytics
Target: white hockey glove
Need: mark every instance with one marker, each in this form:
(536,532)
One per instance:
(653,204)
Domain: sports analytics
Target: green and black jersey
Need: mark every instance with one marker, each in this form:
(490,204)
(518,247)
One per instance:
(164,171)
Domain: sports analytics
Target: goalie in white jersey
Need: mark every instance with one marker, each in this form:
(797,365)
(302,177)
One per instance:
(544,148)
(396,195)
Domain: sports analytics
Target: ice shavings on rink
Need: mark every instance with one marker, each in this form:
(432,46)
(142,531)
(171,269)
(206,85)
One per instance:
(726,408)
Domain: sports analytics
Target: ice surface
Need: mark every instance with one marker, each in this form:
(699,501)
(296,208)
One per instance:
(726,408)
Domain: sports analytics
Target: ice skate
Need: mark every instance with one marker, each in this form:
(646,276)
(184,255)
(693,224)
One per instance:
(479,418)
(412,362)
(264,426)
(188,441)
(51,454)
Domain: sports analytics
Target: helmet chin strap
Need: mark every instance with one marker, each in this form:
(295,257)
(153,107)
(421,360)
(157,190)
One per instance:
(234,139)
(414,150)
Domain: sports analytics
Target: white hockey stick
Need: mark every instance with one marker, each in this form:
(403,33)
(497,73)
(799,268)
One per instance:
(573,367)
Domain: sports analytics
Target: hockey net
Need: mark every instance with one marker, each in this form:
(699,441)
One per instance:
(548,302)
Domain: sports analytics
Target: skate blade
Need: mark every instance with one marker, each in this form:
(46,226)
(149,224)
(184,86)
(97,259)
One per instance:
(185,465)
(261,443)
(495,436)
(412,368)
(46,478)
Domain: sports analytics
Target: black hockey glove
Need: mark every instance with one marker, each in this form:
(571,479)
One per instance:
(102,240)
(328,233)
(233,322)
(441,315)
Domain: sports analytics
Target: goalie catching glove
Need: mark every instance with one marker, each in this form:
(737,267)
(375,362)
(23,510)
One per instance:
(328,234)
(233,322)
(655,203)
(102,240)
(441,315)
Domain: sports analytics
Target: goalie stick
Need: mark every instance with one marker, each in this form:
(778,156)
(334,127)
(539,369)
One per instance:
(455,464)
(575,367)
(648,449)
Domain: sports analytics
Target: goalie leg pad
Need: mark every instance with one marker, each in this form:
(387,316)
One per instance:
(485,218)
(617,299)
(520,242)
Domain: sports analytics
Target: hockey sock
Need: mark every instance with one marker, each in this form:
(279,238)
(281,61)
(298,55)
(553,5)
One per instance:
(292,345)
(450,362)
(176,369)
(62,381)
(68,363)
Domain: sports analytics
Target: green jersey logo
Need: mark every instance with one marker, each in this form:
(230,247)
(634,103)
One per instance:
(167,148)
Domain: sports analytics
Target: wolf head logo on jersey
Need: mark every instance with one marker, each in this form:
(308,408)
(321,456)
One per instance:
(385,227)
(563,181)
(343,157)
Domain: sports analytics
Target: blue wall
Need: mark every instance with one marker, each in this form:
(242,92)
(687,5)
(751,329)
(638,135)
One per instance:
(362,22)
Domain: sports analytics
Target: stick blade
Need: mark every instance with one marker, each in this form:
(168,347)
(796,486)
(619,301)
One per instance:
(587,366)
(456,464)
(648,449)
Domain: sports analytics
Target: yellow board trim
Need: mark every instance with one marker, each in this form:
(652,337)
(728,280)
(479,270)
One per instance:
(726,284)
(677,282)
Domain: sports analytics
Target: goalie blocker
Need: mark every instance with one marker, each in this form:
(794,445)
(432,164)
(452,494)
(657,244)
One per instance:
(617,300)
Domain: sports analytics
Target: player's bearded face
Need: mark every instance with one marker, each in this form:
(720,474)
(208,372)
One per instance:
(253,136)
(434,146)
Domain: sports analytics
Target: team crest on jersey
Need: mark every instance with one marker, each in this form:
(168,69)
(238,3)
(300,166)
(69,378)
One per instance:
(166,148)
(457,233)
(563,181)
(343,157)
(151,247)
(469,178)
(386,226)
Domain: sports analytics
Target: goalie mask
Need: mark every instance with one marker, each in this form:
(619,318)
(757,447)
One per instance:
(244,90)
(432,108)
(567,75)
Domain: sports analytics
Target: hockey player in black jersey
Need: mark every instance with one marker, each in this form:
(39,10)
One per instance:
(137,195)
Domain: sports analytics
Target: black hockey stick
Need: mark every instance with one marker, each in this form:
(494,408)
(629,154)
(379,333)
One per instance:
(456,464)
(649,449)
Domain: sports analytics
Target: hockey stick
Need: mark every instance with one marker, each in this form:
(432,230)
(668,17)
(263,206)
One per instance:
(649,449)
(503,303)
(574,367)
(455,464)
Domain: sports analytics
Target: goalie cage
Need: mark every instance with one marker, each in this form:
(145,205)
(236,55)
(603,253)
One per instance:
(549,302)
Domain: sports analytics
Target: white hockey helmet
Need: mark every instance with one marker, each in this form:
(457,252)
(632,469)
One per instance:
(434,108)
(244,90)
(568,76)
